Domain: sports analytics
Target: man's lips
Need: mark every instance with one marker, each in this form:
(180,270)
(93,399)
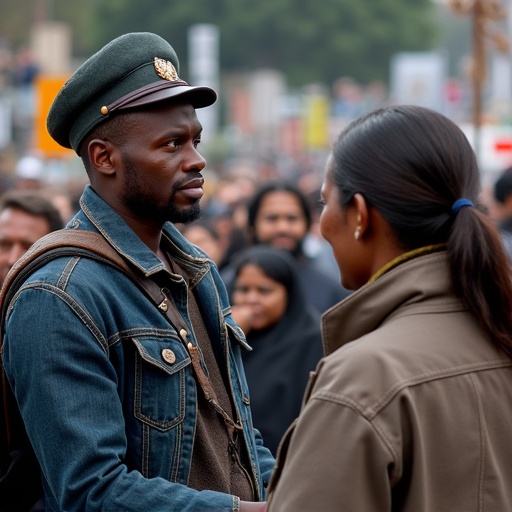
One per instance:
(193,188)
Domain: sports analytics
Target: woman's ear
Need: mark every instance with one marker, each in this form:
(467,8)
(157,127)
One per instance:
(102,156)
(362,215)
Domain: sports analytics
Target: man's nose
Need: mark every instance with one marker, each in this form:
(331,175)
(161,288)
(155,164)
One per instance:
(194,161)
(283,225)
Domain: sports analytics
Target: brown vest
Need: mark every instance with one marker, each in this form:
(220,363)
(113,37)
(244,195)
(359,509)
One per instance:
(219,460)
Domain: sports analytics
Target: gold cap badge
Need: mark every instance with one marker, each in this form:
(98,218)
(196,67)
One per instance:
(164,69)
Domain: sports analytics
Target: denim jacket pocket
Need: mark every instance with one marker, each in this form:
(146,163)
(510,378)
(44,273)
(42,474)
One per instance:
(236,334)
(237,339)
(160,387)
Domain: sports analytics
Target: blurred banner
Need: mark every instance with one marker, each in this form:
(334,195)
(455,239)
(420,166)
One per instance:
(316,121)
(418,78)
(46,88)
(203,44)
(5,123)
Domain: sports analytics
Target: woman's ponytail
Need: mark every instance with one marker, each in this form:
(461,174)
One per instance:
(481,275)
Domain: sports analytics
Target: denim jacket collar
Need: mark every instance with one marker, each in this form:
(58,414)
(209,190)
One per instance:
(126,242)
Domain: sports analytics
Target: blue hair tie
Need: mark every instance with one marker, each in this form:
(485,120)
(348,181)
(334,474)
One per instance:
(460,203)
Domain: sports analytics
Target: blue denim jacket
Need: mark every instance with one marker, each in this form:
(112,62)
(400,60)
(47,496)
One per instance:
(111,420)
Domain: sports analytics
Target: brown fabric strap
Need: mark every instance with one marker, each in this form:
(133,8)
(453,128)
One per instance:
(209,392)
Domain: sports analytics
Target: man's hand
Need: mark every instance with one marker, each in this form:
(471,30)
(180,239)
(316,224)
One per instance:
(253,506)
(242,315)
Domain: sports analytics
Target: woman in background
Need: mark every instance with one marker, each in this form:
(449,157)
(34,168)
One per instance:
(284,333)
(410,409)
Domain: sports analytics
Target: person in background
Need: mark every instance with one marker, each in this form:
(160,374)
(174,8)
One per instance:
(279,216)
(407,410)
(284,333)
(25,216)
(202,233)
(127,411)
(502,193)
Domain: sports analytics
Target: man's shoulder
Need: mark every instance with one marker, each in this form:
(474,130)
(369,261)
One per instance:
(66,259)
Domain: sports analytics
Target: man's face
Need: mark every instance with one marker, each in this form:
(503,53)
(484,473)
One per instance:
(18,231)
(280,221)
(162,168)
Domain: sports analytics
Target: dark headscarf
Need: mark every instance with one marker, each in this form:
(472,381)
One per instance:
(283,355)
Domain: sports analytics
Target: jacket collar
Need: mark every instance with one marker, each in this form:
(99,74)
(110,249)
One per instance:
(399,291)
(127,243)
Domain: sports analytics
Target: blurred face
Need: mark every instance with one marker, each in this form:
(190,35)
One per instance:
(266,298)
(18,231)
(337,226)
(162,178)
(281,221)
(200,236)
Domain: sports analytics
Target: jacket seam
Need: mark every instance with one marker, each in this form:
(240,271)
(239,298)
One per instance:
(442,307)
(73,305)
(373,410)
(66,273)
(483,448)
(431,376)
(137,332)
(351,404)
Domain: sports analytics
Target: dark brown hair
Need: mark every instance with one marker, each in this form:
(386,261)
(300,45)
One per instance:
(411,164)
(34,203)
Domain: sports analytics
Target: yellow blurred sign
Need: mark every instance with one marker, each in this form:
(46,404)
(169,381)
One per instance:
(46,88)
(317,122)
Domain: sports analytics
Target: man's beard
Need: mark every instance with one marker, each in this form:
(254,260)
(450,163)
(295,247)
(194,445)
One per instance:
(139,201)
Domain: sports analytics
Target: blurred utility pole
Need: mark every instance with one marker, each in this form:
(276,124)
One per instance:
(483,13)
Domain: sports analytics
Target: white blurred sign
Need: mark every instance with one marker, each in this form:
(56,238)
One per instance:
(418,78)
(5,123)
(203,47)
(51,47)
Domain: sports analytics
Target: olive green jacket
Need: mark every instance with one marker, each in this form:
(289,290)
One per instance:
(411,409)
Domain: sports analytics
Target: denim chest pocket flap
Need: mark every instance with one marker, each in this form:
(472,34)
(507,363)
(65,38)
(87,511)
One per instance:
(169,355)
(236,334)
(160,381)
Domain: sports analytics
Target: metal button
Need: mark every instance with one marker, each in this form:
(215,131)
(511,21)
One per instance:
(189,345)
(168,356)
(183,333)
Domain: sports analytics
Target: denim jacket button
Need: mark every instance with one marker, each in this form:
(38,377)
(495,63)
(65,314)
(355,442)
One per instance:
(183,333)
(168,356)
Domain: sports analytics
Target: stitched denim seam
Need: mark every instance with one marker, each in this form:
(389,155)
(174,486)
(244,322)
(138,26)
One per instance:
(66,273)
(81,313)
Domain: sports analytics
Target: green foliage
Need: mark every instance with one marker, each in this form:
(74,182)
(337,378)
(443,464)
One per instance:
(309,40)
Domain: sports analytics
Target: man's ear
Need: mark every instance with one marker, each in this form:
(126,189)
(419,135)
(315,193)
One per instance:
(363,215)
(103,156)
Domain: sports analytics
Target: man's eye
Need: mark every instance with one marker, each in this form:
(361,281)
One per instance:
(197,142)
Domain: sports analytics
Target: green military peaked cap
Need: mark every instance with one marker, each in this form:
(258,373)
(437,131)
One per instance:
(133,70)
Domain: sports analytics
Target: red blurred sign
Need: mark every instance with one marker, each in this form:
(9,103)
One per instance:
(503,145)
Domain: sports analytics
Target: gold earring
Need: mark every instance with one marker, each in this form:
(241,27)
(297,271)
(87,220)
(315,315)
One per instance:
(357,233)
